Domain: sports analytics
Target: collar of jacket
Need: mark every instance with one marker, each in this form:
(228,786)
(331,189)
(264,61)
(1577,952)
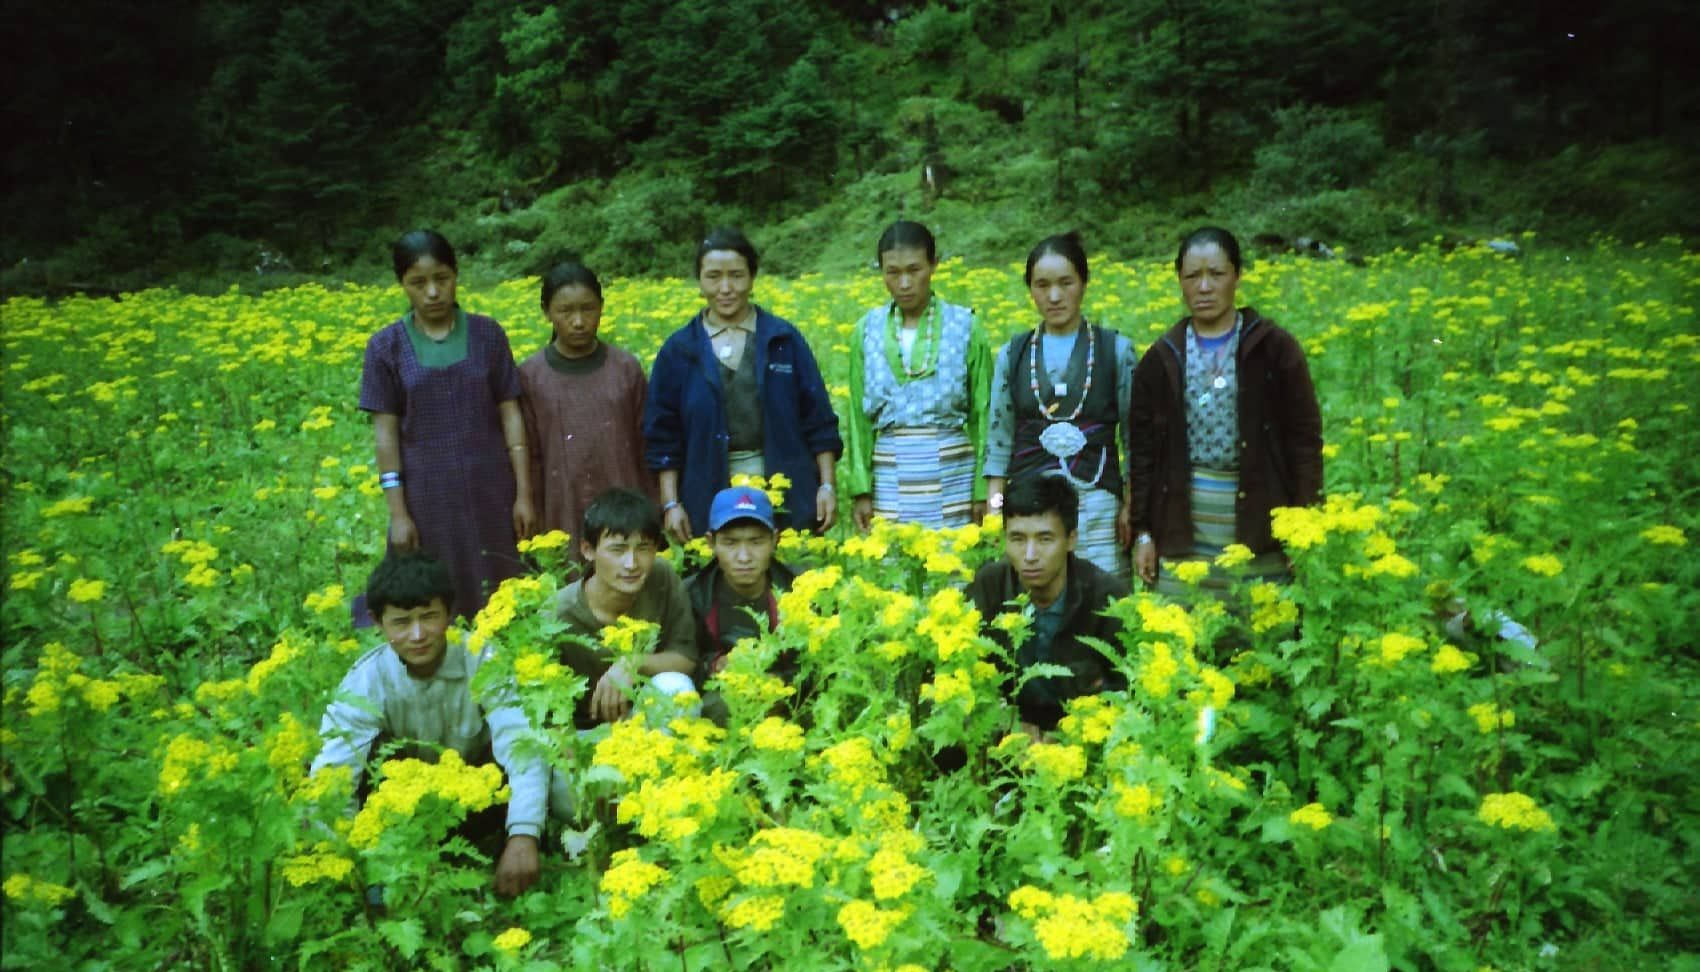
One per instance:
(702,348)
(1253,330)
(699,587)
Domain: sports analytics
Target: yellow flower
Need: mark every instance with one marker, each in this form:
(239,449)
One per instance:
(868,925)
(26,580)
(322,864)
(84,590)
(1489,717)
(1312,815)
(1513,811)
(629,877)
(511,941)
(893,873)
(776,735)
(1545,565)
(1056,764)
(1136,802)
(68,507)
(552,540)
(1394,646)
(1190,572)
(1665,535)
(1157,675)
(759,913)
(1448,659)
(25,889)
(1269,609)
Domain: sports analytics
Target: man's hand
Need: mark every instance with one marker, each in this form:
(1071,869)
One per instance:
(977,512)
(517,871)
(610,700)
(826,508)
(677,524)
(525,518)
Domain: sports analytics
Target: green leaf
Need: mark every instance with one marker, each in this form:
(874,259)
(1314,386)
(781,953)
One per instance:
(407,935)
(285,922)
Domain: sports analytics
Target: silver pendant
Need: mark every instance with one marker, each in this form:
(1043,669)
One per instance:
(1203,399)
(1060,389)
(1220,383)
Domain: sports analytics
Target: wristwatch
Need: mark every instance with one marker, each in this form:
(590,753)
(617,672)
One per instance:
(1142,540)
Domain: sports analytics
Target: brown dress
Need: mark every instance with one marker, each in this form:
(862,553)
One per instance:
(584,419)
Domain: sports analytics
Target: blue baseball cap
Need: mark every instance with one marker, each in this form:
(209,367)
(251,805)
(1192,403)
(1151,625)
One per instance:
(740,503)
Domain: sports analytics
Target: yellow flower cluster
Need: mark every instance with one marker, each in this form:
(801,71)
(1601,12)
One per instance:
(536,668)
(755,912)
(1056,764)
(550,540)
(287,749)
(1069,927)
(774,734)
(57,677)
(776,857)
(628,878)
(869,925)
(1190,572)
(852,765)
(676,807)
(284,652)
(516,597)
(1270,609)
(1158,670)
(86,591)
(1137,802)
(952,687)
(1392,648)
(1448,660)
(406,782)
(188,758)
(331,599)
(755,691)
(322,863)
(1665,535)
(1090,719)
(198,556)
(1543,565)
(27,890)
(1312,815)
(1489,717)
(1166,619)
(1304,527)
(893,873)
(511,941)
(1513,811)
(628,636)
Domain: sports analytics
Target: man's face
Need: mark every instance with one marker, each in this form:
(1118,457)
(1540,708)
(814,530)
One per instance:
(1038,549)
(744,550)
(418,635)
(621,561)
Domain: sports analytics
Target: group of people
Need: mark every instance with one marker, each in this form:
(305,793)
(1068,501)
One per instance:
(1219,419)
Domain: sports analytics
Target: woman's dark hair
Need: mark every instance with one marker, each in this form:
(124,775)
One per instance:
(1036,495)
(411,247)
(622,513)
(907,233)
(1210,236)
(566,273)
(727,238)
(408,579)
(1066,245)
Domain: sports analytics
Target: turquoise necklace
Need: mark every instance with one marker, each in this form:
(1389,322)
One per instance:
(925,352)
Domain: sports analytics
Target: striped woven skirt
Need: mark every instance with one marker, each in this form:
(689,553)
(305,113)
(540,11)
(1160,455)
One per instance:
(1096,539)
(923,475)
(1213,494)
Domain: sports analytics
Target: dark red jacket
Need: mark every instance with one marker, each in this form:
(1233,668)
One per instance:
(1280,436)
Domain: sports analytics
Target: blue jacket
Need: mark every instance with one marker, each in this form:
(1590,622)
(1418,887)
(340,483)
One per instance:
(684,416)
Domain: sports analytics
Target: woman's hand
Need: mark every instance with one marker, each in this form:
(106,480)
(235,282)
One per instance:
(977,512)
(525,518)
(826,508)
(403,534)
(862,513)
(1145,562)
(677,523)
(1124,524)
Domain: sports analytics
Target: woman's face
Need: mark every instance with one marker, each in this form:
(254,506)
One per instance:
(1057,290)
(908,277)
(725,280)
(575,312)
(430,288)
(1208,280)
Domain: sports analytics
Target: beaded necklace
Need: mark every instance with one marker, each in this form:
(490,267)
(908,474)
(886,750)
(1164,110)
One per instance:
(1061,389)
(926,341)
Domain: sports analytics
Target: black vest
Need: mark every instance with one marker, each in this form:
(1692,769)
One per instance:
(1097,420)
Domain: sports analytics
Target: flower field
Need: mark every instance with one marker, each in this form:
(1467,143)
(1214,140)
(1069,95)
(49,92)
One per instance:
(1340,781)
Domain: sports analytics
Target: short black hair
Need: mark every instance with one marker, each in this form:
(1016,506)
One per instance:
(623,513)
(1041,493)
(408,579)
(728,238)
(1066,245)
(1211,236)
(420,243)
(907,232)
(566,273)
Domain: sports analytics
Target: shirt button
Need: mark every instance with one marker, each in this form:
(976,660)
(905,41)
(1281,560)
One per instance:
(1242,494)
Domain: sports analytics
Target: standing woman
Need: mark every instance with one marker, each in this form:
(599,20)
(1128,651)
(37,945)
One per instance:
(583,405)
(1059,393)
(920,373)
(444,396)
(737,391)
(1225,427)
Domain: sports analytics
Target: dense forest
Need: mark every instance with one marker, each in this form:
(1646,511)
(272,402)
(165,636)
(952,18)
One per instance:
(169,140)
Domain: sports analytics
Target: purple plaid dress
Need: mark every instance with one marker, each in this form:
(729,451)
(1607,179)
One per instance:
(454,462)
